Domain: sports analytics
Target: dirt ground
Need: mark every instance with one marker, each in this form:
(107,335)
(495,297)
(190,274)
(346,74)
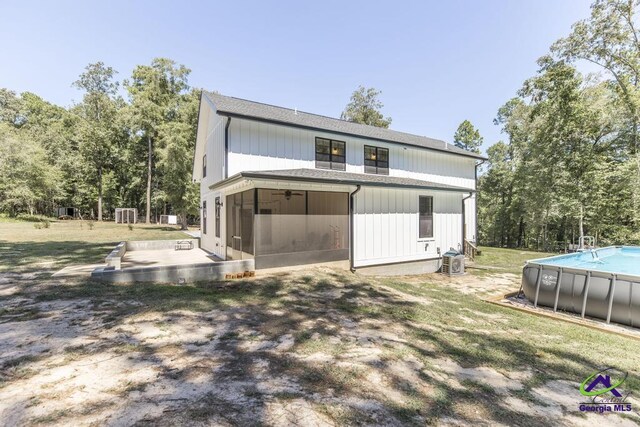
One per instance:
(313,348)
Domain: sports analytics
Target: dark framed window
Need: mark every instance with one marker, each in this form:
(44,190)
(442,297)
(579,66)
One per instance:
(376,160)
(425,221)
(330,154)
(204,166)
(217,216)
(204,217)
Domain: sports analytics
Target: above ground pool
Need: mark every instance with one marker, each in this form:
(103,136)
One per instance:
(602,283)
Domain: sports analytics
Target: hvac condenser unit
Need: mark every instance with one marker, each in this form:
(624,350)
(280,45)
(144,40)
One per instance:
(452,263)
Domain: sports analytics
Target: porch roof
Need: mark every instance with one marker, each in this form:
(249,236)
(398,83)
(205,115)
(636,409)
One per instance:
(339,177)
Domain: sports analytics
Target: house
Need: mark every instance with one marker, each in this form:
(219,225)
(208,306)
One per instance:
(284,187)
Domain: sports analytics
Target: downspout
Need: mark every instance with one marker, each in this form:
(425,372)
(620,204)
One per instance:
(476,212)
(351,230)
(226,148)
(464,231)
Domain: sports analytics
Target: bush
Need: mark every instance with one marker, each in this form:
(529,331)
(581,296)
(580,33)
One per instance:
(46,223)
(33,218)
(91,224)
(37,226)
(130,227)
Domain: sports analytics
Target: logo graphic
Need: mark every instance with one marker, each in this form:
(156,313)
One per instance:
(604,392)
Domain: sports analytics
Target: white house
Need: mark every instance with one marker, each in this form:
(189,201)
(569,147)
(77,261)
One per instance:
(284,187)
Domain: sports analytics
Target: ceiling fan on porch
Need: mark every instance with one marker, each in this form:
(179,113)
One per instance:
(287,194)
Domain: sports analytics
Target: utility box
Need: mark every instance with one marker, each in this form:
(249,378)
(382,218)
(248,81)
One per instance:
(453,263)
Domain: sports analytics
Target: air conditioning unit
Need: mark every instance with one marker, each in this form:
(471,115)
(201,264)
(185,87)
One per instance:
(453,263)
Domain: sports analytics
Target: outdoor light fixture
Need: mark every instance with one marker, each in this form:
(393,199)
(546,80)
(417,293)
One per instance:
(218,202)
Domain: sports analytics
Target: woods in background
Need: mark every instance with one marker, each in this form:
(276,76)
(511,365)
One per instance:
(570,164)
(107,151)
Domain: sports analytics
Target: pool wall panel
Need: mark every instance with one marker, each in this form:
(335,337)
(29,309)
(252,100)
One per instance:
(625,307)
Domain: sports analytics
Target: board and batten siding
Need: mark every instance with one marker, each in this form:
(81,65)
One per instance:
(214,149)
(255,146)
(386,225)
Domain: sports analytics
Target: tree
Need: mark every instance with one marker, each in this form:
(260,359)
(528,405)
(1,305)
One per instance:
(154,91)
(27,181)
(10,106)
(364,107)
(98,111)
(177,144)
(54,129)
(609,38)
(467,137)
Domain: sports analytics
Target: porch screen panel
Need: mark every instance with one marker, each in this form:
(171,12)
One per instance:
(240,225)
(307,225)
(246,221)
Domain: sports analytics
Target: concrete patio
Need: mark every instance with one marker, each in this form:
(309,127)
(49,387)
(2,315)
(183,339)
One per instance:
(166,257)
(162,261)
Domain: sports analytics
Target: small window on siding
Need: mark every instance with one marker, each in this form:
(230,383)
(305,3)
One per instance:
(330,154)
(204,165)
(425,225)
(204,217)
(217,216)
(376,160)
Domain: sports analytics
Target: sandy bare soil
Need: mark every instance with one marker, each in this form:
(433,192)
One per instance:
(309,348)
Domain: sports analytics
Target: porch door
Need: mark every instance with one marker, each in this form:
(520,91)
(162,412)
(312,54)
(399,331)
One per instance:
(240,225)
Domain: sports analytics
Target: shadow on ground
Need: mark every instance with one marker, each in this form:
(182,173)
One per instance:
(317,348)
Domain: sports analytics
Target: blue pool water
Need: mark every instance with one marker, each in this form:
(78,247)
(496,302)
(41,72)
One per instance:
(615,259)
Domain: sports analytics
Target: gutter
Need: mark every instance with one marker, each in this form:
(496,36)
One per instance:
(257,175)
(464,231)
(226,148)
(351,230)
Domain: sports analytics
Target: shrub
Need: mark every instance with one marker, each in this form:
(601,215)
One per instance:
(46,223)
(37,226)
(91,224)
(33,218)
(130,227)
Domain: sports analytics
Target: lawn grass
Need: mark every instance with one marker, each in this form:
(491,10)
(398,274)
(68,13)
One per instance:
(506,260)
(25,248)
(323,311)
(499,338)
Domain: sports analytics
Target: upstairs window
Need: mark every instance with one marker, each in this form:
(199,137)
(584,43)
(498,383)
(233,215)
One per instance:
(204,166)
(376,160)
(204,217)
(330,154)
(425,225)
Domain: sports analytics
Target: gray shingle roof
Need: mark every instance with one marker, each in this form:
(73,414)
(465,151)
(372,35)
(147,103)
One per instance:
(339,177)
(227,105)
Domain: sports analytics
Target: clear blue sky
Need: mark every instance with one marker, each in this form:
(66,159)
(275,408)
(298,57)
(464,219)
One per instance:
(436,62)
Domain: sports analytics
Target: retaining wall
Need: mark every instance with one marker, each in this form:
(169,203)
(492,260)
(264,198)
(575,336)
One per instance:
(114,259)
(173,273)
(152,245)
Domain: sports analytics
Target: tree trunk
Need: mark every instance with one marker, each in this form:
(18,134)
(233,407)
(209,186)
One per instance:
(100,193)
(581,225)
(149,160)
(183,222)
(521,232)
